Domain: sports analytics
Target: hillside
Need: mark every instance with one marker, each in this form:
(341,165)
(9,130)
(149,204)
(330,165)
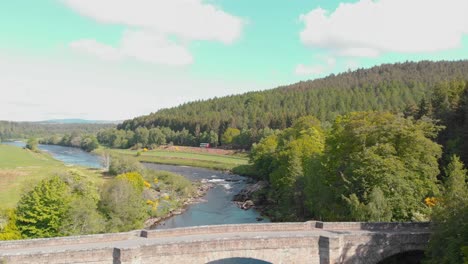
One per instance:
(77,121)
(390,87)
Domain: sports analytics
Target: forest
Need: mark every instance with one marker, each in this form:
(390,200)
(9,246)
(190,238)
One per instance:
(389,87)
(376,166)
(22,130)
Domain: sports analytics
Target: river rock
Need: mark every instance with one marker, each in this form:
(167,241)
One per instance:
(247,193)
(247,205)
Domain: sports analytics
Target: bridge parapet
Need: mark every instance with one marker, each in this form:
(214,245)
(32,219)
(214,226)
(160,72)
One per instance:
(387,226)
(307,242)
(71,240)
(242,228)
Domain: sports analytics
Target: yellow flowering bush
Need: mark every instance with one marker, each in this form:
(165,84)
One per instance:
(430,201)
(147,184)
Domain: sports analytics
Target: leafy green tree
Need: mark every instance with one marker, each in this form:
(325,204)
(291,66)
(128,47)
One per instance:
(141,136)
(244,140)
(82,217)
(377,210)
(281,159)
(123,206)
(89,143)
(32,144)
(60,205)
(8,228)
(262,155)
(368,150)
(450,218)
(156,137)
(40,211)
(228,136)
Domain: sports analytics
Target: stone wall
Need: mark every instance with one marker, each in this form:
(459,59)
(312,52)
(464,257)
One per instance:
(309,242)
(72,240)
(199,230)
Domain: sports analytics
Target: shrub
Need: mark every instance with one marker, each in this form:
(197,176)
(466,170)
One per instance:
(122,164)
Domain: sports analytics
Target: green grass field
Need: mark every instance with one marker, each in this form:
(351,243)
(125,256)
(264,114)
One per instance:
(204,160)
(20,168)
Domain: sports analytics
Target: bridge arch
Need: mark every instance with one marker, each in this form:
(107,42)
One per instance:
(405,257)
(410,250)
(239,261)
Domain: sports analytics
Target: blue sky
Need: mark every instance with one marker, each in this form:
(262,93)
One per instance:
(116,59)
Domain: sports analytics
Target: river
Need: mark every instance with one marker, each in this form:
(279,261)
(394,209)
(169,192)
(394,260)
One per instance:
(68,155)
(216,206)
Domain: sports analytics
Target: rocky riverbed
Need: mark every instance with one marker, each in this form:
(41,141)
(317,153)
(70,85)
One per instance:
(249,197)
(197,198)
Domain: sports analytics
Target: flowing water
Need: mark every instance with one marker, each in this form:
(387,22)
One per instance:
(68,155)
(216,208)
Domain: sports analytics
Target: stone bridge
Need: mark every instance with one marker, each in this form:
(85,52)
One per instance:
(309,242)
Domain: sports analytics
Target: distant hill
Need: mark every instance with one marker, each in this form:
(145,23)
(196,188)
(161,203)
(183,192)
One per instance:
(389,87)
(21,130)
(78,121)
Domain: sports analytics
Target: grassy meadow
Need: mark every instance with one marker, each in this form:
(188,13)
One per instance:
(188,158)
(20,168)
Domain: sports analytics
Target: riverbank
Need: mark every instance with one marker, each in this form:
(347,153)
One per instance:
(209,202)
(184,156)
(197,198)
(20,168)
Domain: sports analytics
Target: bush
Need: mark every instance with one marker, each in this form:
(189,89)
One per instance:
(171,182)
(32,144)
(8,228)
(123,206)
(122,164)
(134,178)
(247,170)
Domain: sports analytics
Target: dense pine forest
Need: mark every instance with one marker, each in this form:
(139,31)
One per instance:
(389,87)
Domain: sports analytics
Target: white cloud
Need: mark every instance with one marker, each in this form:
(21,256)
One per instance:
(302,69)
(369,28)
(98,49)
(327,64)
(150,25)
(351,65)
(188,19)
(139,45)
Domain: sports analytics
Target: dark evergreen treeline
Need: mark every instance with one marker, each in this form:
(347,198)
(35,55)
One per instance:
(21,130)
(448,104)
(389,87)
